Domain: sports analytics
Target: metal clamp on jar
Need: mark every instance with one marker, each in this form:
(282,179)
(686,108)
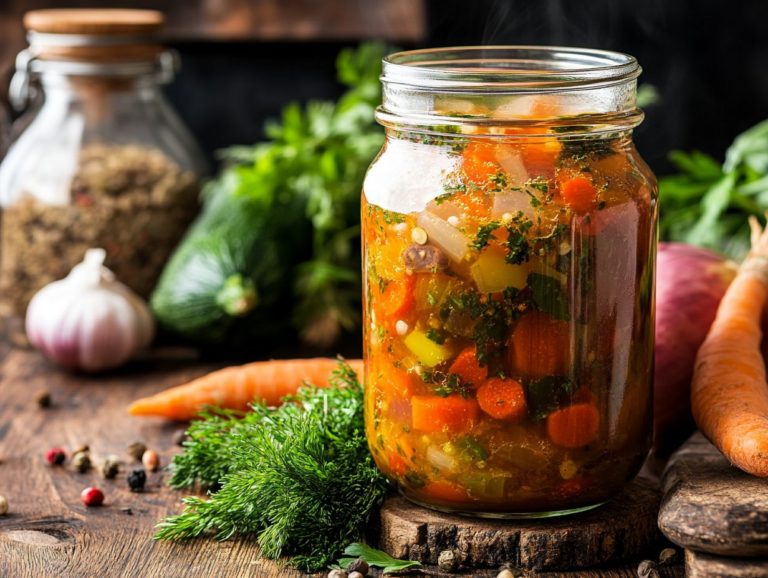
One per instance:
(103,160)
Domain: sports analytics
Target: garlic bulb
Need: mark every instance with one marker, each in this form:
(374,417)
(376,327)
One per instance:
(89,320)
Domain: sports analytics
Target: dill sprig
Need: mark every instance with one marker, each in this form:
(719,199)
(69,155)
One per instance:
(299,478)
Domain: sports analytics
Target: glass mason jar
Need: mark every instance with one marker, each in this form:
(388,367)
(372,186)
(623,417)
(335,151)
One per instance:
(104,160)
(509,233)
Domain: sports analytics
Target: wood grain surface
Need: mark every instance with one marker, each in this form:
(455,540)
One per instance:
(623,529)
(49,533)
(711,506)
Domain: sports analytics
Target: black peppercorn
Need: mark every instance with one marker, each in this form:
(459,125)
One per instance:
(137,479)
(43,399)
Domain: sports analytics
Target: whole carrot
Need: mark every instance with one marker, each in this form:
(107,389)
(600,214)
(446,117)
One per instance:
(729,394)
(237,387)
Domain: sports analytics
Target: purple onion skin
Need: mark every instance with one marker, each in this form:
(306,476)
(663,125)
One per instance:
(690,282)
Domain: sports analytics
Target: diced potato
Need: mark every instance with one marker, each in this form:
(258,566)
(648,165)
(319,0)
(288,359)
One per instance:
(427,351)
(492,273)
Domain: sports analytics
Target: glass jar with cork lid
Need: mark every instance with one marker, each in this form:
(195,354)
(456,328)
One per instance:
(104,161)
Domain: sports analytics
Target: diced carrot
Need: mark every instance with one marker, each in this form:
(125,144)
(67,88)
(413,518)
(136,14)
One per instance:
(574,426)
(479,162)
(539,345)
(392,381)
(397,465)
(395,301)
(468,368)
(432,413)
(502,398)
(444,491)
(579,194)
(540,157)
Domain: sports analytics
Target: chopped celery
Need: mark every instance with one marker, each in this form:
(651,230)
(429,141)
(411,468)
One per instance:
(482,485)
(492,273)
(427,351)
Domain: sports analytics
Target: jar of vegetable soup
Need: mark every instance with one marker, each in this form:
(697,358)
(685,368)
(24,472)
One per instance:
(103,161)
(509,232)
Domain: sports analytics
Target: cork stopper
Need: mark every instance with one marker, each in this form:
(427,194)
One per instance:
(104,35)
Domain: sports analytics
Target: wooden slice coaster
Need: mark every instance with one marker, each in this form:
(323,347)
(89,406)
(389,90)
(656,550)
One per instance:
(624,528)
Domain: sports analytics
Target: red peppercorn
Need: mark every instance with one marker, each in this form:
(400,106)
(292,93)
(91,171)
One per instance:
(55,456)
(92,497)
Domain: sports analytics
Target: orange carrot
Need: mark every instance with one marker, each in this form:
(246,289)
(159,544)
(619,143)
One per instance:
(468,368)
(396,300)
(502,398)
(432,413)
(579,194)
(729,394)
(574,426)
(236,387)
(479,162)
(444,491)
(539,345)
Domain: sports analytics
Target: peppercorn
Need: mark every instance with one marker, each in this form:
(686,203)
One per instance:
(136,480)
(43,399)
(358,565)
(647,569)
(136,450)
(81,461)
(356,575)
(667,556)
(337,574)
(3,506)
(92,497)
(151,460)
(110,466)
(448,561)
(55,456)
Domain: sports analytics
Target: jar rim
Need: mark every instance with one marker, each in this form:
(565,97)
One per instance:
(508,68)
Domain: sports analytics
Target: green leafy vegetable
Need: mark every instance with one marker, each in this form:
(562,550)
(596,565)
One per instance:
(375,558)
(707,203)
(545,395)
(305,186)
(484,235)
(549,295)
(518,248)
(299,478)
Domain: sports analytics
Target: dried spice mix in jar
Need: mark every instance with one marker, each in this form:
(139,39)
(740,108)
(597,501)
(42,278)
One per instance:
(104,162)
(509,230)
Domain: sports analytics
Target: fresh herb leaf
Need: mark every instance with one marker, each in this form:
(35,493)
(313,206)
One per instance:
(549,296)
(546,394)
(445,384)
(518,247)
(471,446)
(300,477)
(484,235)
(375,558)
(436,335)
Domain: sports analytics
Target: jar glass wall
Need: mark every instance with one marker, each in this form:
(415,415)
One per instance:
(509,231)
(103,162)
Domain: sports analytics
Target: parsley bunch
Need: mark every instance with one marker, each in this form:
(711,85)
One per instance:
(706,204)
(299,478)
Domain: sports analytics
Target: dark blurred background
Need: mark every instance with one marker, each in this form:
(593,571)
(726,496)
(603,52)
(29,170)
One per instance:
(242,60)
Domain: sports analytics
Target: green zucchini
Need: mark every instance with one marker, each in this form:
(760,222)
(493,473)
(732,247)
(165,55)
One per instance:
(229,271)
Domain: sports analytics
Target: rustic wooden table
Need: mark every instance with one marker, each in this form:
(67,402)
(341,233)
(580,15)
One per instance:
(48,531)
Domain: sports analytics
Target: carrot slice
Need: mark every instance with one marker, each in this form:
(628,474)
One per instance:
(397,465)
(396,301)
(394,382)
(574,426)
(444,491)
(579,194)
(237,387)
(468,368)
(479,162)
(502,398)
(432,413)
(539,345)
